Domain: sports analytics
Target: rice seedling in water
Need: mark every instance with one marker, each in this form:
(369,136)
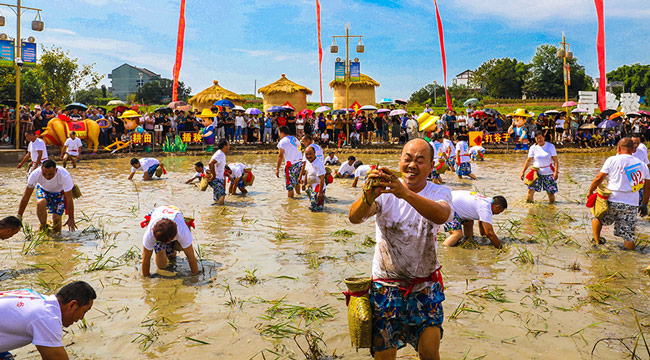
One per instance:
(313,262)
(469,243)
(524,256)
(250,278)
(495,294)
(462,308)
(342,233)
(149,336)
(313,349)
(232,301)
(32,239)
(368,241)
(575,266)
(103,261)
(197,341)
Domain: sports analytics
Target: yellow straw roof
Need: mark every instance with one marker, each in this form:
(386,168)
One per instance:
(215,93)
(283,85)
(365,80)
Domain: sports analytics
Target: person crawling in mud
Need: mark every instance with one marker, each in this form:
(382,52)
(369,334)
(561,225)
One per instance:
(406,294)
(53,186)
(149,166)
(166,233)
(31,318)
(10,226)
(470,207)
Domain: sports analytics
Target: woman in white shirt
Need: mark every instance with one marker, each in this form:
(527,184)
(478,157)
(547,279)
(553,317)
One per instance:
(543,158)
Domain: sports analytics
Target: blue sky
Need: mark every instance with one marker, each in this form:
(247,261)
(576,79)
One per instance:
(238,42)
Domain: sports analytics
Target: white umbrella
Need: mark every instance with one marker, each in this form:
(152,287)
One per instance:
(116,103)
(239,108)
(322,109)
(578,111)
(397,112)
(368,107)
(551,112)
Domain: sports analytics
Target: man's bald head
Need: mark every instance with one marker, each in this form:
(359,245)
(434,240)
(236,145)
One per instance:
(419,144)
(626,146)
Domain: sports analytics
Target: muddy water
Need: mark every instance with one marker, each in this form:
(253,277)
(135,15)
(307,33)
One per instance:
(548,309)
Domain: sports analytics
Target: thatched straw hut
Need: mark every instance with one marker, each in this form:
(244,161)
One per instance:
(362,91)
(283,90)
(209,96)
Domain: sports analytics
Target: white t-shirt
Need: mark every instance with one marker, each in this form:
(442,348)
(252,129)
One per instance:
(314,170)
(559,123)
(329,160)
(145,164)
(476,149)
(463,149)
(361,171)
(291,147)
(73,146)
(237,170)
(346,169)
(220,164)
(472,206)
(300,123)
(449,147)
(543,157)
(198,174)
(239,121)
(183,235)
(625,173)
(641,153)
(29,318)
(318,150)
(407,246)
(412,125)
(33,148)
(325,136)
(438,149)
(461,120)
(62,181)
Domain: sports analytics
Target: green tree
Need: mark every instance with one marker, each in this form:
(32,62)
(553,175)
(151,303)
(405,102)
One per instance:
(155,91)
(547,80)
(635,78)
(30,86)
(503,77)
(61,75)
(92,96)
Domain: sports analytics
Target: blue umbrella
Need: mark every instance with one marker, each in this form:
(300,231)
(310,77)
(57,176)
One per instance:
(78,106)
(608,124)
(386,101)
(276,109)
(226,103)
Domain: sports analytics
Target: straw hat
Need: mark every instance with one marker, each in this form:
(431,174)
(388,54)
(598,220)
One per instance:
(129,114)
(206,113)
(520,112)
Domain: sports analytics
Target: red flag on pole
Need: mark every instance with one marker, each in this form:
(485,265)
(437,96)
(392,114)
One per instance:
(442,50)
(179,50)
(600,46)
(320,53)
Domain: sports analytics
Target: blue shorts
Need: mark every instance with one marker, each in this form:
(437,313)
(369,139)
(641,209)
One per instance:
(398,320)
(544,183)
(55,201)
(314,205)
(152,170)
(292,174)
(464,169)
(169,248)
(455,224)
(218,189)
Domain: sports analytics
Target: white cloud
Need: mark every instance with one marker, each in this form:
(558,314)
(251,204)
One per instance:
(524,12)
(61,31)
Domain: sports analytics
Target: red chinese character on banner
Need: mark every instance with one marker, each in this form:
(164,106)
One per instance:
(488,138)
(506,137)
(197,138)
(137,138)
(147,138)
(497,137)
(20,304)
(187,137)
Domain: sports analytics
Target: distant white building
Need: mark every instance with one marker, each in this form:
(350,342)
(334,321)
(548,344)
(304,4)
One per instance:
(463,78)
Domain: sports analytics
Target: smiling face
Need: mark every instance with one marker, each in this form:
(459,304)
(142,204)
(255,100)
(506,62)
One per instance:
(310,154)
(416,163)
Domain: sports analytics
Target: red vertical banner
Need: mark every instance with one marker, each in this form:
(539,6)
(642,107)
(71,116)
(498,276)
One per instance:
(320,53)
(600,46)
(179,50)
(442,51)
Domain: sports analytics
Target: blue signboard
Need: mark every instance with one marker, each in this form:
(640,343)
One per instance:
(339,71)
(355,71)
(29,54)
(6,53)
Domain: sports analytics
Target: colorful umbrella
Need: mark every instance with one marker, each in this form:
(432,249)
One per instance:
(382,111)
(322,109)
(401,101)
(305,112)
(397,112)
(275,109)
(177,104)
(472,101)
(608,124)
(386,101)
(253,111)
(569,104)
(78,106)
(579,111)
(225,103)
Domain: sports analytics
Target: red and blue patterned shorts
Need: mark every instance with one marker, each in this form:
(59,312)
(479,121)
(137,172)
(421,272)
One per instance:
(398,320)
(55,201)
(544,183)
(292,174)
